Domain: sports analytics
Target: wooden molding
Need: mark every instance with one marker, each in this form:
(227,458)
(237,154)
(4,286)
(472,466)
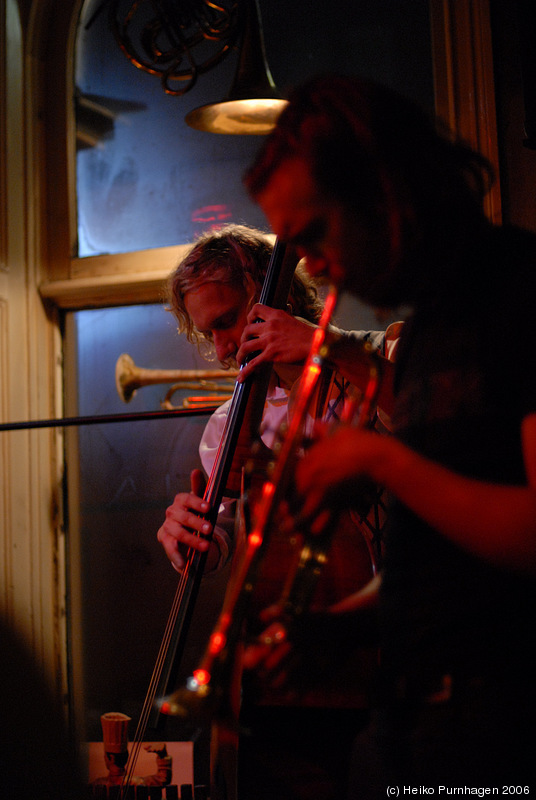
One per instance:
(3,145)
(105,290)
(464,81)
(122,279)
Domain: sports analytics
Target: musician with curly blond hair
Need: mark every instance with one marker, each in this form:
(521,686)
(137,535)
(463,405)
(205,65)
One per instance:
(213,293)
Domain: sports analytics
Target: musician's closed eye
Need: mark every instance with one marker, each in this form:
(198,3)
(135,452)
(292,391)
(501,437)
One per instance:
(221,324)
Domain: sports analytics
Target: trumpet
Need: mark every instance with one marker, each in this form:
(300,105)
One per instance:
(129,378)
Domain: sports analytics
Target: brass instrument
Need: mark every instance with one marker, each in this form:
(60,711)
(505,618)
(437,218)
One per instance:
(208,686)
(129,378)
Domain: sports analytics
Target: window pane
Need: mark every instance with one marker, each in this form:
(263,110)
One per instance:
(151,181)
(127,475)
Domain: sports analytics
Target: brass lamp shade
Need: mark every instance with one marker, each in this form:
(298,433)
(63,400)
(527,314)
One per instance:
(253,104)
(252,116)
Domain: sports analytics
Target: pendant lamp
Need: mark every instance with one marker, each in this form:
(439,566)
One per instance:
(253,103)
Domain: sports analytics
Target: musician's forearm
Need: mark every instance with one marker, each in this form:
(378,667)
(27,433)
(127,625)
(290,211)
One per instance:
(473,514)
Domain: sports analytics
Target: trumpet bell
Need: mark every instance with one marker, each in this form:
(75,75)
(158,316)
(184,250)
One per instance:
(125,383)
(129,378)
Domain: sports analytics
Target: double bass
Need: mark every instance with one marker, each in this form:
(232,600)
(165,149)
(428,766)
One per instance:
(173,639)
(241,428)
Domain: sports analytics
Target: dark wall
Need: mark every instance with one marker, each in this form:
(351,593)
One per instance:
(513,30)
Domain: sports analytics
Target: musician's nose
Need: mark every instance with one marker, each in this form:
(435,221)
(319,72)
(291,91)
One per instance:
(225,344)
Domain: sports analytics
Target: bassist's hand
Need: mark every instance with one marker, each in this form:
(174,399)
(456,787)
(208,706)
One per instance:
(184,528)
(275,336)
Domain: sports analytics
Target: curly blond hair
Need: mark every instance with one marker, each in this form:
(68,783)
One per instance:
(236,255)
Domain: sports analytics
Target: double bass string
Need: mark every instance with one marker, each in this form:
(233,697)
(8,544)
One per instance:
(195,562)
(148,705)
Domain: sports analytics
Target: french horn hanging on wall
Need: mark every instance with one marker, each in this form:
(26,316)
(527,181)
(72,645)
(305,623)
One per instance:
(176,41)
